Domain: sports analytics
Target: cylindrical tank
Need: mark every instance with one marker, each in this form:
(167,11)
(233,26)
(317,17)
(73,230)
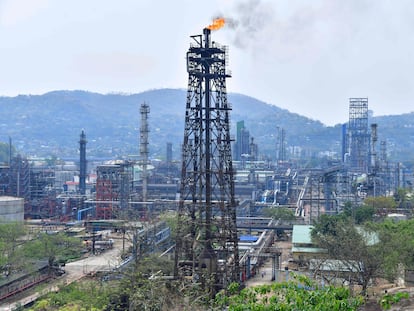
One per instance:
(11,209)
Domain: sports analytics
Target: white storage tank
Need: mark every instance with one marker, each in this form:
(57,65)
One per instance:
(11,209)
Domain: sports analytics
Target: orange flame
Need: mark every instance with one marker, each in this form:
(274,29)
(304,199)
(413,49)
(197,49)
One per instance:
(217,24)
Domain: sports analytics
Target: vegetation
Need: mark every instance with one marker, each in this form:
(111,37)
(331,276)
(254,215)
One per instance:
(143,287)
(360,214)
(53,247)
(88,295)
(282,213)
(369,250)
(11,258)
(367,246)
(397,242)
(77,108)
(377,207)
(403,198)
(356,249)
(390,299)
(172,221)
(300,293)
(381,203)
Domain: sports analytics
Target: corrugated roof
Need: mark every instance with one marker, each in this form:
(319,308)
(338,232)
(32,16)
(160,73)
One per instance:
(313,250)
(301,234)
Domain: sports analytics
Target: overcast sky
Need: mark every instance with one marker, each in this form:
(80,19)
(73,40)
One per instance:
(308,57)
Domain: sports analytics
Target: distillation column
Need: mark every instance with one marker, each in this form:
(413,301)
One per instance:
(143,151)
(82,163)
(207,243)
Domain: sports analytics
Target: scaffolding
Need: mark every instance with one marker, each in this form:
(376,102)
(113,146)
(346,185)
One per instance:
(113,189)
(358,135)
(207,243)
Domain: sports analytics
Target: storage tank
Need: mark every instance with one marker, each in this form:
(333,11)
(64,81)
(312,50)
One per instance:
(11,209)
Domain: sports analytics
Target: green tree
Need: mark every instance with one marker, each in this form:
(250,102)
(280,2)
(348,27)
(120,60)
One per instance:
(282,213)
(356,248)
(381,204)
(53,247)
(11,258)
(397,243)
(360,214)
(402,198)
(171,219)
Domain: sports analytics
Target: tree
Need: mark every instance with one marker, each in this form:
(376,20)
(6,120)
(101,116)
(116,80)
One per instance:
(282,213)
(10,238)
(397,243)
(172,221)
(402,198)
(356,248)
(381,204)
(52,247)
(137,291)
(359,214)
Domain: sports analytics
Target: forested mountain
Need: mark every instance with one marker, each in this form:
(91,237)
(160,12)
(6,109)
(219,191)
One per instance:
(50,124)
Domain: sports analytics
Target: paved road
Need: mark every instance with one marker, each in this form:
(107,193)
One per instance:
(264,276)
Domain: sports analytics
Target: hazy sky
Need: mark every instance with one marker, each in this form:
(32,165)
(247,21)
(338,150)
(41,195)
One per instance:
(308,57)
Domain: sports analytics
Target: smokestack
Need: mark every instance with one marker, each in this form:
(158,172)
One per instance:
(10,151)
(374,139)
(82,163)
(206,33)
(143,148)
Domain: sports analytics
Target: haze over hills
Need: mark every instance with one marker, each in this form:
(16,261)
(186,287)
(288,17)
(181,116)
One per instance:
(50,124)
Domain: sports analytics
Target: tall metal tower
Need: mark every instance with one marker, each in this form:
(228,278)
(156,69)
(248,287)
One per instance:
(82,163)
(280,144)
(143,149)
(207,243)
(373,151)
(169,153)
(358,135)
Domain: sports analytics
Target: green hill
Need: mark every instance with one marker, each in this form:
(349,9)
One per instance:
(51,123)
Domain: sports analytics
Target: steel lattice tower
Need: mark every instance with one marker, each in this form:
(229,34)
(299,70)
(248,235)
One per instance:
(207,243)
(358,135)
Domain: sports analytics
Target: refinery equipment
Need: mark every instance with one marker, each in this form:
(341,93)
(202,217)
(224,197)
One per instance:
(82,163)
(358,135)
(207,243)
(113,188)
(143,151)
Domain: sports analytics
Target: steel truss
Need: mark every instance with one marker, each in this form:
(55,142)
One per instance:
(207,243)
